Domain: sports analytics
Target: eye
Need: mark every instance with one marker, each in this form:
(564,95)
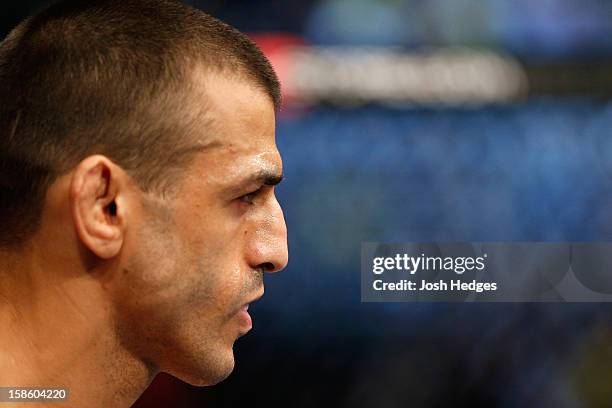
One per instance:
(248,198)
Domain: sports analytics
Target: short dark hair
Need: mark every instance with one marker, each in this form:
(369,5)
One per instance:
(107,77)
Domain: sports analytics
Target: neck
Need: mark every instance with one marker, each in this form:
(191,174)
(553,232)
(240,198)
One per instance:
(59,331)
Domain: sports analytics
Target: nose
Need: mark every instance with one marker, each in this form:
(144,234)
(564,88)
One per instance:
(267,248)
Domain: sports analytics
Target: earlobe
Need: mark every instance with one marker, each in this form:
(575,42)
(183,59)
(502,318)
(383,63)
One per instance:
(96,198)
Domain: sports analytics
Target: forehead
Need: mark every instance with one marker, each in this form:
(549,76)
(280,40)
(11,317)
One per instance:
(240,129)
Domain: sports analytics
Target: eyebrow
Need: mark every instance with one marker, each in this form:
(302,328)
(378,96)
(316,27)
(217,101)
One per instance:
(265,177)
(262,177)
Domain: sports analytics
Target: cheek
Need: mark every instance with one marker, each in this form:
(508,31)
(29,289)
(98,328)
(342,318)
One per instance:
(158,271)
(192,263)
(185,273)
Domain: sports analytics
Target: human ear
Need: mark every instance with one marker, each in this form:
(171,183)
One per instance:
(98,200)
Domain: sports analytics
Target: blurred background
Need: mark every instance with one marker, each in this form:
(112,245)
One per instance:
(424,120)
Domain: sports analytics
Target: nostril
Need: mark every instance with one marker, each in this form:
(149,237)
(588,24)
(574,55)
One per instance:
(267,267)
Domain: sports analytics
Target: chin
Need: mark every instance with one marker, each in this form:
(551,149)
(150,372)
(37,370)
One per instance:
(209,370)
(208,379)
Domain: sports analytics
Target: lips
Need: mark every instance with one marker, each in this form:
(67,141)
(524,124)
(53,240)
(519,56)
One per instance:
(246,323)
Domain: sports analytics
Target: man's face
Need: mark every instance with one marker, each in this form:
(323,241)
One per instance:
(192,263)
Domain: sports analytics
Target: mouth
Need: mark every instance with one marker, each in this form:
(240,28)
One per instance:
(246,322)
